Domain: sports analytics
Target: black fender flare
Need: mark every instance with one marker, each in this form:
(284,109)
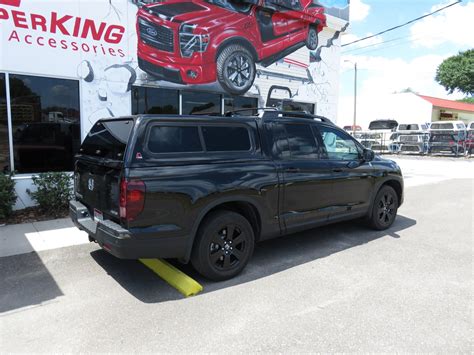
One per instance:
(379,185)
(206,210)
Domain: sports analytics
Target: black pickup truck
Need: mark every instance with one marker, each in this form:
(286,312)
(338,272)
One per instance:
(206,189)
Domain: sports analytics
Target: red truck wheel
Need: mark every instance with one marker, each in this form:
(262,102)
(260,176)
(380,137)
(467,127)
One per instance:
(235,69)
(312,40)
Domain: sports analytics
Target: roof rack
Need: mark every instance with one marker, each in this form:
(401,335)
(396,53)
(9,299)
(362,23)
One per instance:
(294,114)
(254,110)
(272,112)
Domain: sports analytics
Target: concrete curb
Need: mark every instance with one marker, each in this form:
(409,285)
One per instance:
(37,236)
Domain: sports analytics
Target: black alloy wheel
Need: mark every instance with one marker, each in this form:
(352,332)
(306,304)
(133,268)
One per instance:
(236,69)
(227,247)
(384,209)
(223,246)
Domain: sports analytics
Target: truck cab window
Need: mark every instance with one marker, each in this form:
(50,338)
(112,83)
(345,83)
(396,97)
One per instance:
(339,146)
(301,141)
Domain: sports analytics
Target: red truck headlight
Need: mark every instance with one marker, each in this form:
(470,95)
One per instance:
(190,42)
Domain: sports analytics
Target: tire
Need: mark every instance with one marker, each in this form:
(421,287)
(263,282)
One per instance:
(312,40)
(236,69)
(218,254)
(384,208)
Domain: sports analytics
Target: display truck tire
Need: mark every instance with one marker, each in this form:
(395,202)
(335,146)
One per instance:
(223,245)
(312,41)
(235,69)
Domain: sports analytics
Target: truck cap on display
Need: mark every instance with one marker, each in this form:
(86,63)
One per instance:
(415,127)
(387,125)
(448,126)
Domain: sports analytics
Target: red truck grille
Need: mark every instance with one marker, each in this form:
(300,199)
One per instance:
(157,36)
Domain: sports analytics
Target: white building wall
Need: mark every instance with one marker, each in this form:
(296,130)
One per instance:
(404,108)
(407,108)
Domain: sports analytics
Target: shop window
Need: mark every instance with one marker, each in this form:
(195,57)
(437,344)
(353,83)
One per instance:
(4,148)
(201,103)
(45,122)
(240,103)
(296,106)
(290,105)
(147,100)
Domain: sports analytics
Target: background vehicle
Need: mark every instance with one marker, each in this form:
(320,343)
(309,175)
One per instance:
(447,137)
(352,128)
(201,41)
(205,189)
(368,139)
(470,138)
(385,129)
(411,138)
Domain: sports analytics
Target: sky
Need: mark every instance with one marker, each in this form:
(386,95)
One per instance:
(409,60)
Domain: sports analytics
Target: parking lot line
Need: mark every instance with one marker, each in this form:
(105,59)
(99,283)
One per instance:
(175,277)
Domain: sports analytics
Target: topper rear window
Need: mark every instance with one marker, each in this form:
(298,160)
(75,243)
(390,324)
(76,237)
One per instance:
(108,139)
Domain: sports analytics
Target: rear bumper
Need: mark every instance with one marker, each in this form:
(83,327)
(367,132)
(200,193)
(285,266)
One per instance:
(123,244)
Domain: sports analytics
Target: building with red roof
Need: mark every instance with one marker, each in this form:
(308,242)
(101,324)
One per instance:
(447,110)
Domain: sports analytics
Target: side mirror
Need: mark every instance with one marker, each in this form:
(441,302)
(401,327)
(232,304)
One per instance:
(368,155)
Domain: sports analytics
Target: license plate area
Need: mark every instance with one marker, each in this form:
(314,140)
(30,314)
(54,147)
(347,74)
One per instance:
(98,215)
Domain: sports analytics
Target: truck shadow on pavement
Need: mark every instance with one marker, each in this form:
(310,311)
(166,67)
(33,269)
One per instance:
(270,257)
(25,281)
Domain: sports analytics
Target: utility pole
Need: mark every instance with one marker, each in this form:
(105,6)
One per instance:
(355,96)
(355,99)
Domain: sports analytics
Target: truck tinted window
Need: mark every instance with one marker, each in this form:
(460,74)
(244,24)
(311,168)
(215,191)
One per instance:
(301,141)
(383,124)
(279,140)
(408,127)
(107,139)
(442,126)
(226,139)
(442,138)
(174,139)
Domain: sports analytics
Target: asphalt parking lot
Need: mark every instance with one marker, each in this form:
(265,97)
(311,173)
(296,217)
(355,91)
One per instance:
(341,288)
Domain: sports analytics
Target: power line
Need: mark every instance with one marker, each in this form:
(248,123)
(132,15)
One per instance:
(402,25)
(432,35)
(375,44)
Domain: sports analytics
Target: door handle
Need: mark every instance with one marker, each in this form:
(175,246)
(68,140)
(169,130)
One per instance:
(292,170)
(337,170)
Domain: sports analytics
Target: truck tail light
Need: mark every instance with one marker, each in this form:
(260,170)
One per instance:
(132,198)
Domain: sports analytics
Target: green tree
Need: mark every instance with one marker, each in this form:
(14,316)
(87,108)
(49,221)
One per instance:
(469,100)
(457,73)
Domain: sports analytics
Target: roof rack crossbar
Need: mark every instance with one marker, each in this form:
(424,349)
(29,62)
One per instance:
(272,113)
(249,109)
(294,114)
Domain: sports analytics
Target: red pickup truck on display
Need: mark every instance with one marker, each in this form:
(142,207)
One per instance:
(201,41)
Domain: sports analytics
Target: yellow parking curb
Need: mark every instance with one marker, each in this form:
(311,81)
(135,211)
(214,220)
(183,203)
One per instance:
(176,278)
